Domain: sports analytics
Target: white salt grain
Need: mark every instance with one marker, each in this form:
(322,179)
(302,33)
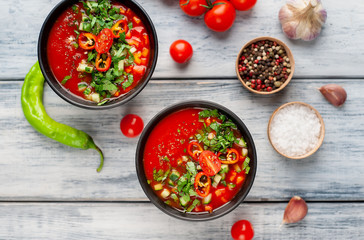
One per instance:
(295,130)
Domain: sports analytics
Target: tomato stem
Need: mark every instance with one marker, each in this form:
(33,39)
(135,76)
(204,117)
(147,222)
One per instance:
(211,5)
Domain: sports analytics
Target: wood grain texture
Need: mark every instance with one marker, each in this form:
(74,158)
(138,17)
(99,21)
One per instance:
(337,52)
(145,221)
(36,168)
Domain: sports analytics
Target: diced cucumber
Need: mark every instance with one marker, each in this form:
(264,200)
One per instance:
(95,97)
(244,152)
(121,65)
(85,26)
(231,185)
(84,67)
(217,180)
(207,199)
(224,168)
(174,197)
(158,187)
(237,168)
(174,175)
(193,205)
(82,87)
(223,176)
(165,193)
(242,143)
(170,182)
(184,200)
(84,17)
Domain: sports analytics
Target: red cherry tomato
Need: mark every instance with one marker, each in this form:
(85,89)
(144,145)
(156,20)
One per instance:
(104,41)
(181,51)
(221,16)
(243,5)
(242,230)
(209,163)
(193,8)
(131,125)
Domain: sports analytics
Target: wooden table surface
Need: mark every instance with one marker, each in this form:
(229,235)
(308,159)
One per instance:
(51,191)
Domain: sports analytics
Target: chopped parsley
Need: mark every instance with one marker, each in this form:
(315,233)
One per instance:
(65,79)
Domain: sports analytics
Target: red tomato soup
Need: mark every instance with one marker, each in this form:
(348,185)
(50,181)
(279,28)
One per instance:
(99,51)
(196,160)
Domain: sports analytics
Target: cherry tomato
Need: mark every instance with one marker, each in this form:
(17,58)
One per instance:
(243,5)
(209,163)
(221,16)
(242,230)
(131,125)
(104,41)
(193,8)
(181,51)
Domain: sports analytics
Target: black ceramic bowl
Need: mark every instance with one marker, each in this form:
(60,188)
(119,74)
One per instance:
(228,207)
(67,95)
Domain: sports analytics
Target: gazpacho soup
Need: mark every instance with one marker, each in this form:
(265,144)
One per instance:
(99,50)
(196,160)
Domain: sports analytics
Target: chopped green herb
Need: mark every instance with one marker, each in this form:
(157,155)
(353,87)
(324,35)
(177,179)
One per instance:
(130,25)
(102,103)
(178,130)
(160,176)
(128,82)
(65,79)
(75,8)
(75,45)
(223,182)
(149,181)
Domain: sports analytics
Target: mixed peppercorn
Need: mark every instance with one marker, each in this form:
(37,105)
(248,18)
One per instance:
(264,66)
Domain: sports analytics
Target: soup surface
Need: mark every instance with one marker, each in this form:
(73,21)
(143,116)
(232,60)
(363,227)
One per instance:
(196,160)
(99,50)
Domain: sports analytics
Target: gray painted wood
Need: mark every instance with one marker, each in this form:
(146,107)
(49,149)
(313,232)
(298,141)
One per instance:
(36,168)
(145,221)
(337,52)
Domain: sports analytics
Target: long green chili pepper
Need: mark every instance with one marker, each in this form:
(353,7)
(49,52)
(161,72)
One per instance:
(34,112)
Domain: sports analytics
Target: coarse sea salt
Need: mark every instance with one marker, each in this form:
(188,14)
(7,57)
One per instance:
(295,130)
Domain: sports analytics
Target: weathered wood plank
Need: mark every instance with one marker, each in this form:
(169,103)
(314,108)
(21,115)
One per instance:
(123,221)
(337,52)
(36,168)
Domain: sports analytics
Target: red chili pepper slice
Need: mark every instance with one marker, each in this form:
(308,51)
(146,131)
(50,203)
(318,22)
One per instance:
(202,184)
(194,149)
(119,27)
(104,41)
(232,156)
(103,62)
(87,41)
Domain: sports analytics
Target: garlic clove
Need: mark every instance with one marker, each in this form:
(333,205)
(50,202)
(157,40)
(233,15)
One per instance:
(295,211)
(334,93)
(302,19)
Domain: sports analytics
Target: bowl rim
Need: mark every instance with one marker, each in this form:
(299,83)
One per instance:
(322,131)
(289,54)
(231,205)
(82,102)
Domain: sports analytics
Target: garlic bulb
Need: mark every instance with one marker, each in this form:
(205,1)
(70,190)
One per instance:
(302,19)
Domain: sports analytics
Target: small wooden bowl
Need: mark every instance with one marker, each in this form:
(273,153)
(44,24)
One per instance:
(322,132)
(289,54)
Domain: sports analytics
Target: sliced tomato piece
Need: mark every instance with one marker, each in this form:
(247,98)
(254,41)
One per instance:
(209,163)
(104,41)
